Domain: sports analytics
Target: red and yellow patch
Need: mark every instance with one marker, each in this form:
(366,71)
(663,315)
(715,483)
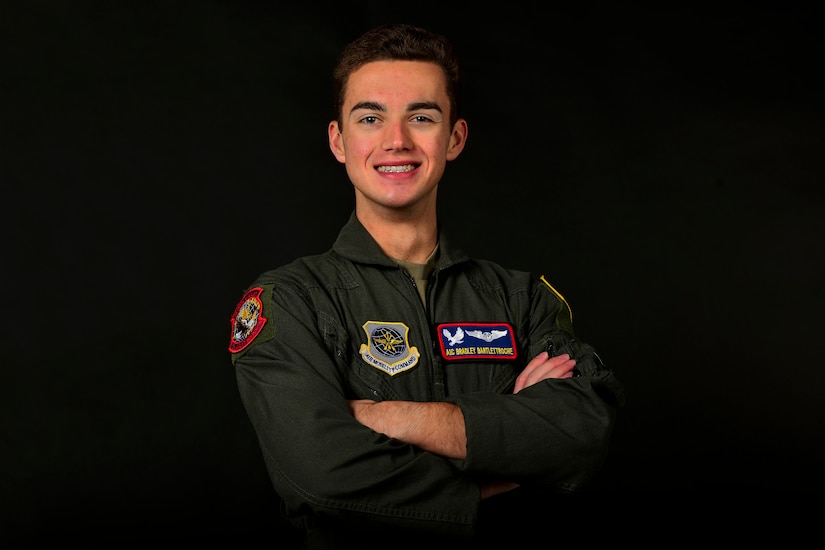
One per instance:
(247,320)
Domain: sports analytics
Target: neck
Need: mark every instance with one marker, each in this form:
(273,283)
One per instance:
(407,239)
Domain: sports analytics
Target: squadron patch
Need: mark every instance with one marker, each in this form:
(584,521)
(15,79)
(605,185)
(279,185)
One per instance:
(387,348)
(463,341)
(247,320)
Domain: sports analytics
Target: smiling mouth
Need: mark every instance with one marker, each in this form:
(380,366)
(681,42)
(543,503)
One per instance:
(399,168)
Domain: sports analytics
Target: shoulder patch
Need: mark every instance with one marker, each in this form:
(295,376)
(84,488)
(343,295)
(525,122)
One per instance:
(247,320)
(471,341)
(388,348)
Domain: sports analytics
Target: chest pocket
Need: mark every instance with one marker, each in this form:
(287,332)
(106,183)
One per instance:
(478,356)
(480,376)
(385,362)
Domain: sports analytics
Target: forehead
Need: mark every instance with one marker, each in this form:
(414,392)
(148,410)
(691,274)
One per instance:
(385,81)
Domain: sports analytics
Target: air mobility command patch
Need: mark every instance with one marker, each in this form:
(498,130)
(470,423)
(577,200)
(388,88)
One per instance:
(473,341)
(388,348)
(247,320)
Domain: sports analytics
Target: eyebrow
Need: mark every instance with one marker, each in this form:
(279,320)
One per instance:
(373,106)
(368,105)
(424,105)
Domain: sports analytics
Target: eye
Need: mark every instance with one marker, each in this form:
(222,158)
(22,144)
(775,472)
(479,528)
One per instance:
(421,118)
(369,120)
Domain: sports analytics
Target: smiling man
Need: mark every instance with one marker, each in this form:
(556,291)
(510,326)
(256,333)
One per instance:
(395,384)
(395,138)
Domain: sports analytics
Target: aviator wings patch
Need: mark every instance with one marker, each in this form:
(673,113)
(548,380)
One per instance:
(472,341)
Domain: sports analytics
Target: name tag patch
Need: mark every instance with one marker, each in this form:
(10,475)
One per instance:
(472,341)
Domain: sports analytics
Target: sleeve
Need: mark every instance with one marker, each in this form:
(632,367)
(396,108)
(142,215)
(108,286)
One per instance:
(322,461)
(554,434)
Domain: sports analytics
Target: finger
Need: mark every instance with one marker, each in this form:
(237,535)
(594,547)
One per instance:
(529,376)
(539,359)
(534,363)
(560,366)
(553,367)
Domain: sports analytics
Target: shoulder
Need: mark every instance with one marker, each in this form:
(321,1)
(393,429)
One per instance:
(533,286)
(295,287)
(490,273)
(323,269)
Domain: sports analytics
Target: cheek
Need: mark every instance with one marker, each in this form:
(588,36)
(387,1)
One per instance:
(358,150)
(438,149)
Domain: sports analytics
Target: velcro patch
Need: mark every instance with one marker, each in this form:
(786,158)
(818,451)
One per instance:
(247,320)
(387,347)
(472,341)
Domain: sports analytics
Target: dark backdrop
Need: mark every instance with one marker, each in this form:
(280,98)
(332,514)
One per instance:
(662,166)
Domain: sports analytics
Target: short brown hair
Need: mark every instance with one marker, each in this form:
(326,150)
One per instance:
(397,42)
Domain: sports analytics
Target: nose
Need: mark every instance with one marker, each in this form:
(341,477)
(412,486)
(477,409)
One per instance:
(397,137)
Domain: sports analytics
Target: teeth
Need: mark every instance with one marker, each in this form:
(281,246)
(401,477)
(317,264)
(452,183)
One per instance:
(402,168)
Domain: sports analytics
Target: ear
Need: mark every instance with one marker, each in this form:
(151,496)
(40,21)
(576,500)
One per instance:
(336,142)
(457,139)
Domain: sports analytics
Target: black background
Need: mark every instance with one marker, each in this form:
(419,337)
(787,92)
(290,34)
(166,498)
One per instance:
(662,166)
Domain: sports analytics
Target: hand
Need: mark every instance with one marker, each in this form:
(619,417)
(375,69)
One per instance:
(542,367)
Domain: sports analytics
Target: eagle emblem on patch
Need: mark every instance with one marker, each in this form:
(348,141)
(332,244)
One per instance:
(247,320)
(463,341)
(387,347)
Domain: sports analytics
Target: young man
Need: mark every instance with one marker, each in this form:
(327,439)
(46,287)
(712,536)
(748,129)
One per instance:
(394,383)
